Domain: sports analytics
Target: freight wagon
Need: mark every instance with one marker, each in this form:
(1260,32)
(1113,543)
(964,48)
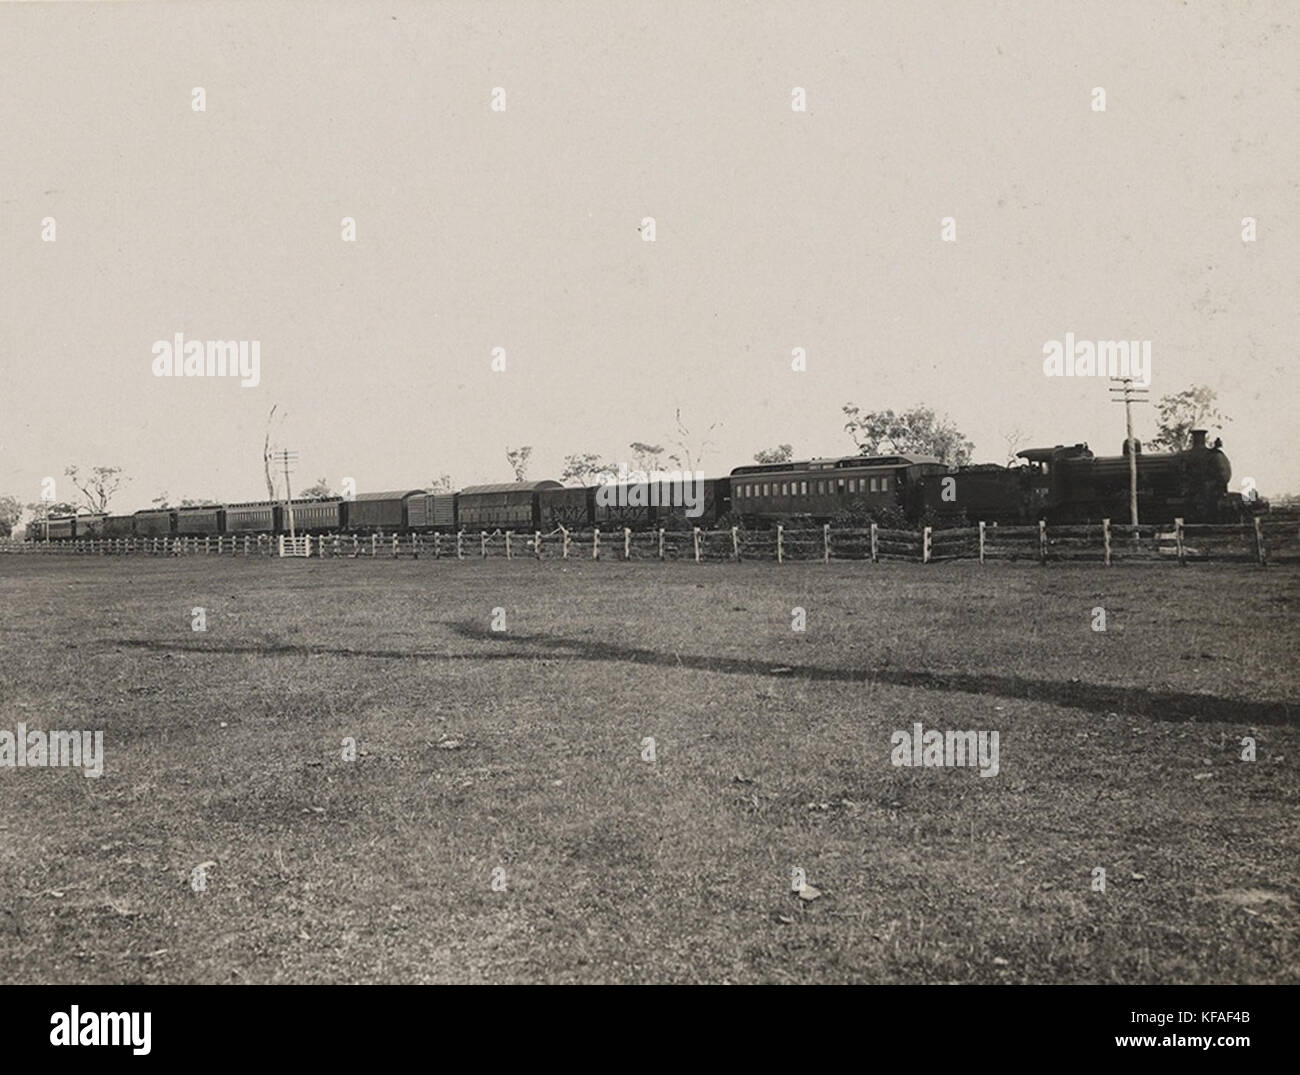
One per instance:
(505,506)
(378,511)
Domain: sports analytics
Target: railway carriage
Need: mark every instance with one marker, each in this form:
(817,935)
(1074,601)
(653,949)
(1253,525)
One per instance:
(203,520)
(316,516)
(253,517)
(820,489)
(119,526)
(152,522)
(504,506)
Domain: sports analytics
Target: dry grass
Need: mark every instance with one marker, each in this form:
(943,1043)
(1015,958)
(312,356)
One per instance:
(522,750)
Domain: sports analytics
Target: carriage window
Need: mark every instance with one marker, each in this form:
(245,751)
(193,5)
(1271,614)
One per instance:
(804,488)
(884,485)
(766,487)
(873,485)
(785,488)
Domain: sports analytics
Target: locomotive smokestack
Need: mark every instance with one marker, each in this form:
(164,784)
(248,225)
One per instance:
(1198,438)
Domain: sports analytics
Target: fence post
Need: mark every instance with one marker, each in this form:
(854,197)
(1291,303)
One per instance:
(661,543)
(780,544)
(735,544)
(627,543)
(482,544)
(595,544)
(245,544)
(1042,541)
(981,541)
(1178,539)
(565,554)
(309,546)
(537,543)
(696,537)
(394,546)
(1105,536)
(281,545)
(205,545)
(1259,541)
(826,543)
(460,545)
(509,551)
(875,543)
(437,545)
(925,545)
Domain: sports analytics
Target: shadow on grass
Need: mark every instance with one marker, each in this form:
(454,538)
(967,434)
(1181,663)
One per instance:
(1163,705)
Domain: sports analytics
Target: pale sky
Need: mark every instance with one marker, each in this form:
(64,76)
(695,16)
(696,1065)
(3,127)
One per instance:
(775,229)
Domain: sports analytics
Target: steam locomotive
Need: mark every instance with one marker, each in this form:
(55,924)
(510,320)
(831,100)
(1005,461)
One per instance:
(1063,484)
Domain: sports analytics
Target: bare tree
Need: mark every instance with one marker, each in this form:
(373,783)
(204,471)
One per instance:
(268,455)
(690,452)
(1013,439)
(96,488)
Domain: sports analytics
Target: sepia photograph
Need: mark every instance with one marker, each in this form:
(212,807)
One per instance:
(652,492)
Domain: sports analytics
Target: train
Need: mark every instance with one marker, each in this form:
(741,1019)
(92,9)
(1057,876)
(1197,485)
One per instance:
(1064,484)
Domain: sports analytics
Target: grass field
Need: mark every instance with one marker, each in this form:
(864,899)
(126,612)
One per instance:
(522,750)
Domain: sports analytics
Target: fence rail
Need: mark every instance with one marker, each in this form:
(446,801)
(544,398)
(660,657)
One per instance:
(1259,540)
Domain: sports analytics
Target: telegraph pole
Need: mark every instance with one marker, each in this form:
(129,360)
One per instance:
(1128,395)
(287,457)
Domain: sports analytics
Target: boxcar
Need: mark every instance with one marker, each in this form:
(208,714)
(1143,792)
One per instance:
(154,523)
(379,511)
(617,506)
(418,512)
(505,506)
(715,504)
(209,519)
(119,526)
(442,509)
(569,508)
(316,516)
(431,511)
(256,516)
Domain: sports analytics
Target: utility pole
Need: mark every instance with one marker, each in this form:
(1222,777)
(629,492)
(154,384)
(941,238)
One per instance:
(1128,395)
(287,457)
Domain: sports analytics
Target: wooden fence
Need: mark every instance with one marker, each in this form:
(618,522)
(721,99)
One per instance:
(1260,540)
